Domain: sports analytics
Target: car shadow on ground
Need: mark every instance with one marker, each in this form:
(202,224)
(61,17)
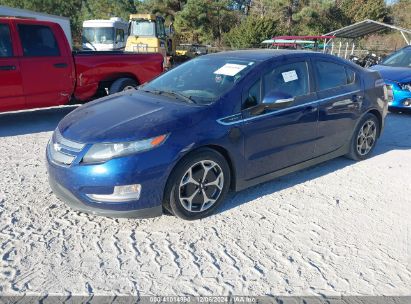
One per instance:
(396,136)
(32,121)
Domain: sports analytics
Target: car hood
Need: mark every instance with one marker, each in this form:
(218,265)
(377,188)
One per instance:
(128,116)
(398,74)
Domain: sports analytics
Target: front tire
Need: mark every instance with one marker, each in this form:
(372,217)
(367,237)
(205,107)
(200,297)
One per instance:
(364,138)
(198,185)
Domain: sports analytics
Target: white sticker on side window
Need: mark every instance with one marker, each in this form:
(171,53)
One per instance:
(230,69)
(290,76)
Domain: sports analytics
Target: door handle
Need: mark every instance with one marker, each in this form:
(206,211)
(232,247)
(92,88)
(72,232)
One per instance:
(7,67)
(309,109)
(60,65)
(357,98)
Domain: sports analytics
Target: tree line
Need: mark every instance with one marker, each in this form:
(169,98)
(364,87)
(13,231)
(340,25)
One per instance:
(231,23)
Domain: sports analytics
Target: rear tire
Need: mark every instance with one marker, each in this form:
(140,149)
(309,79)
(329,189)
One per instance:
(364,138)
(197,185)
(122,84)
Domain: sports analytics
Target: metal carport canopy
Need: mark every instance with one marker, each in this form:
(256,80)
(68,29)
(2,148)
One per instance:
(366,27)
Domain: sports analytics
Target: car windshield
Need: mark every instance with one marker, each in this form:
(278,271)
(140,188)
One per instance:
(203,80)
(143,28)
(400,59)
(98,35)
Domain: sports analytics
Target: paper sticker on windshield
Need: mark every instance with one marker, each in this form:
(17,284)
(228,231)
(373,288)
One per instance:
(290,76)
(230,69)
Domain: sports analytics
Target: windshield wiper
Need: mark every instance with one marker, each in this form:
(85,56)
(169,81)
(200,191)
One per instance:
(188,99)
(89,42)
(150,91)
(182,96)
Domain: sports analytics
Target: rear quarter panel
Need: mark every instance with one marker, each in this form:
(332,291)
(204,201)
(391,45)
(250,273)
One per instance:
(95,67)
(374,94)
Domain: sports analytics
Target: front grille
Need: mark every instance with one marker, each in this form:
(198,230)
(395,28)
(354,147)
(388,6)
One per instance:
(63,151)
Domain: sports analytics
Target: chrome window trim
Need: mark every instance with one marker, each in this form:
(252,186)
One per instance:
(221,120)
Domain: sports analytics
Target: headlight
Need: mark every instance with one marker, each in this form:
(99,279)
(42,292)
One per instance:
(405,86)
(103,152)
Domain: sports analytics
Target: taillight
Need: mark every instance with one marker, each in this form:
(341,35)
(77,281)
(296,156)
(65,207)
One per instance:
(388,93)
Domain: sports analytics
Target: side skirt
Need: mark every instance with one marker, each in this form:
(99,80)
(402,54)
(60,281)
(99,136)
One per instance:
(243,184)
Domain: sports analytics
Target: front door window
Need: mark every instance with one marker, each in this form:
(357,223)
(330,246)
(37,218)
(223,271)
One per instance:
(289,79)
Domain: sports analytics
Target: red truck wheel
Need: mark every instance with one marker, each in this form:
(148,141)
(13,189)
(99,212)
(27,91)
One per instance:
(122,84)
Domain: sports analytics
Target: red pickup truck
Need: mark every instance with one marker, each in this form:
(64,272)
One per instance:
(38,68)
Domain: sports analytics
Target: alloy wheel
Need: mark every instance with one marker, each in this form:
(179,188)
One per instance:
(201,186)
(366,137)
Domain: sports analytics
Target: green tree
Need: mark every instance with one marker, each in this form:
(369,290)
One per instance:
(192,23)
(223,18)
(242,23)
(402,13)
(241,5)
(358,10)
(284,12)
(66,8)
(251,32)
(333,18)
(78,10)
(166,8)
(319,17)
(205,20)
(104,9)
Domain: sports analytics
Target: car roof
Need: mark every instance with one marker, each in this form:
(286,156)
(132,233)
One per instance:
(259,54)
(262,55)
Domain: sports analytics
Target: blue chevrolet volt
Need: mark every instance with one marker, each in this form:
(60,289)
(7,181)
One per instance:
(222,121)
(396,71)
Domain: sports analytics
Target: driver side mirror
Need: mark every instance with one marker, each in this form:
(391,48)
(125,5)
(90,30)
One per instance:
(273,100)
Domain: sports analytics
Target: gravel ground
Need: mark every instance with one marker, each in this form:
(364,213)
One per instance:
(340,228)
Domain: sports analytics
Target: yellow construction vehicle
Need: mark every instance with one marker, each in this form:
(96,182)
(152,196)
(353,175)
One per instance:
(191,50)
(147,34)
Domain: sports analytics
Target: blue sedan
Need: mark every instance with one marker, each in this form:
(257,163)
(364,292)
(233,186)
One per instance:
(222,121)
(396,71)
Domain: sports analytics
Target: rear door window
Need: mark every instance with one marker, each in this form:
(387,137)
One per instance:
(332,75)
(6,48)
(38,41)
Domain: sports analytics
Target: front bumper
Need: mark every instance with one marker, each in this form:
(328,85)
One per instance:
(400,98)
(75,181)
(73,202)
